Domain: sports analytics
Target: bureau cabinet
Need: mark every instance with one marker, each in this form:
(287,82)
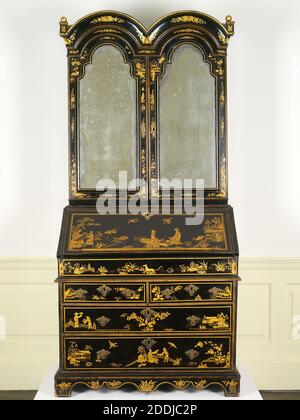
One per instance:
(147,298)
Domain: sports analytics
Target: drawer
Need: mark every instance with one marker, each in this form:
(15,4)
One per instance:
(196,292)
(146,353)
(91,320)
(103,293)
(181,266)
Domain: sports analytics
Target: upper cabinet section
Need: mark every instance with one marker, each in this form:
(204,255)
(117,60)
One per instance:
(148,102)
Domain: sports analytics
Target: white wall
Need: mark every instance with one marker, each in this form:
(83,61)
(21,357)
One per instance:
(264,92)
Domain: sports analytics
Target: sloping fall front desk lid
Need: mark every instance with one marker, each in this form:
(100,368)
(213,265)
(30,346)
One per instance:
(85,232)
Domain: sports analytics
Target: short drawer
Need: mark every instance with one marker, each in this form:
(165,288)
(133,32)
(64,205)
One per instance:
(196,292)
(204,319)
(169,353)
(103,293)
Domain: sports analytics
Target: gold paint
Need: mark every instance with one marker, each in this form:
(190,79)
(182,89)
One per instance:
(220,266)
(75,68)
(155,67)
(223,39)
(153,171)
(194,267)
(167,221)
(153,128)
(147,356)
(112,345)
(107,19)
(222,128)
(148,318)
(205,267)
(143,135)
(95,385)
(64,26)
(70,40)
(86,323)
(62,386)
(218,322)
(103,270)
(215,353)
(72,99)
(154,242)
(225,266)
(70,294)
(181,384)
(73,127)
(107,30)
(233,266)
(131,267)
(222,95)
(129,293)
(152,101)
(229,24)
(133,221)
(147,40)
(200,384)
(188,31)
(143,100)
(83,235)
(231,385)
(147,216)
(146,386)
(73,185)
(222,180)
(77,356)
(190,19)
(114,384)
(166,294)
(139,69)
(218,293)
(143,153)
(219,66)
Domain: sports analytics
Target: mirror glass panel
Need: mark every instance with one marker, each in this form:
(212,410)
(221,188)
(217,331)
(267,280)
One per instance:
(187,101)
(107,119)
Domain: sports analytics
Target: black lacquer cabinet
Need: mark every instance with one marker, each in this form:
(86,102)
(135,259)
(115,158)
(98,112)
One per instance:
(147,299)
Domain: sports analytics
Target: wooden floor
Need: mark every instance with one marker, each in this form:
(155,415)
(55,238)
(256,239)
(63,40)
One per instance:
(267,395)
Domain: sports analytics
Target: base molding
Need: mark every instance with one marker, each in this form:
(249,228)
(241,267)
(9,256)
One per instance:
(228,382)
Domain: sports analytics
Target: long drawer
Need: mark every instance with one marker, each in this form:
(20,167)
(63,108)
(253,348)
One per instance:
(163,266)
(195,352)
(91,320)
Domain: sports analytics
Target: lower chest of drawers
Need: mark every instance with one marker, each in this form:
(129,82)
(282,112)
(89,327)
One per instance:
(148,325)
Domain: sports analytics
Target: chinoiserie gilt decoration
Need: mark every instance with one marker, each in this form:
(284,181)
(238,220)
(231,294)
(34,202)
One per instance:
(147,299)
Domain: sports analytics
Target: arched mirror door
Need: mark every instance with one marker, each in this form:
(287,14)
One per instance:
(187,118)
(107,119)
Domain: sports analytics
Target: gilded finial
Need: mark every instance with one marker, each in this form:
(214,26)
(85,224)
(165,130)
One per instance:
(64,26)
(229,24)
